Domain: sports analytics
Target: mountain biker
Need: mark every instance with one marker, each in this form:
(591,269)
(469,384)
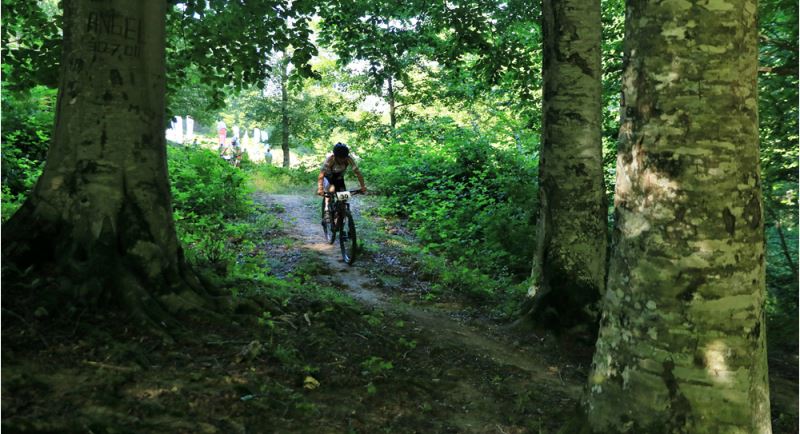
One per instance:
(237,151)
(331,175)
(226,151)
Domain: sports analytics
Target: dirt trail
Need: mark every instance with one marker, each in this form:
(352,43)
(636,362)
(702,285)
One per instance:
(436,323)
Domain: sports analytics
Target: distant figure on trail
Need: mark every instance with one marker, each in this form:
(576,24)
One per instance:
(237,151)
(230,151)
(331,175)
(222,132)
(268,156)
(226,151)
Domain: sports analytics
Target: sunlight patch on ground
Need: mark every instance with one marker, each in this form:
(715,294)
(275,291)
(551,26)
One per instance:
(318,247)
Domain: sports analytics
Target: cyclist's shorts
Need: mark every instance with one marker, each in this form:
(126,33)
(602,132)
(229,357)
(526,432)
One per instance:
(337,181)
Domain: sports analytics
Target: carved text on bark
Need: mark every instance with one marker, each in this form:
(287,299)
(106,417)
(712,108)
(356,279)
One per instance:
(116,33)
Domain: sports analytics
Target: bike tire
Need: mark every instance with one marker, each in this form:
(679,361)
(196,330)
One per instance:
(327,225)
(347,238)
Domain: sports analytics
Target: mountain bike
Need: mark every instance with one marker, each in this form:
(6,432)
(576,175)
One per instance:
(339,219)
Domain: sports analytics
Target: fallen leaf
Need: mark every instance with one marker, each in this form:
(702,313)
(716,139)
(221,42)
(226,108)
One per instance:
(310,383)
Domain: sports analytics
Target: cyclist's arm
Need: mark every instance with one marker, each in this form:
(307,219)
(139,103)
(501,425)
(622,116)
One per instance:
(322,171)
(360,178)
(319,181)
(357,171)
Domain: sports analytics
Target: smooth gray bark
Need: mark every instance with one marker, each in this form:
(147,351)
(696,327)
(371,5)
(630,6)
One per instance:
(682,340)
(569,258)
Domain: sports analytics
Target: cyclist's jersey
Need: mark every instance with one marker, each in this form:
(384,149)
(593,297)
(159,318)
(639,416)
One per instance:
(331,167)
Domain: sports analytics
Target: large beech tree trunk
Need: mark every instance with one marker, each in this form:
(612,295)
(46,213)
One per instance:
(682,340)
(100,215)
(569,259)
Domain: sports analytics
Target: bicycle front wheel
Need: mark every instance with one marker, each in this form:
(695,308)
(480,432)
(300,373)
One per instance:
(347,238)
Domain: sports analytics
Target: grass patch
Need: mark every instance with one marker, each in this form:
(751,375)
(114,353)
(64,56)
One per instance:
(279,180)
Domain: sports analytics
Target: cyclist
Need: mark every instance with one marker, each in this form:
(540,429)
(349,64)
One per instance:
(237,151)
(226,151)
(331,175)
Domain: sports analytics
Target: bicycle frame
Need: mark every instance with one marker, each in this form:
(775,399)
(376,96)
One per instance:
(339,201)
(341,220)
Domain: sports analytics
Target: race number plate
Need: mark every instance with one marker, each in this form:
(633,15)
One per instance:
(343,195)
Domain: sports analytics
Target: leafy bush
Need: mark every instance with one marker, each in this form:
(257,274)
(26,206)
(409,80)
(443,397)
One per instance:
(466,199)
(210,198)
(27,119)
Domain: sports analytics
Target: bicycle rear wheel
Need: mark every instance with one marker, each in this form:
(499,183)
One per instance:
(347,238)
(327,225)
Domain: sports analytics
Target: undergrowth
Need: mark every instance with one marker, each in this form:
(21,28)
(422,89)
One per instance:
(469,203)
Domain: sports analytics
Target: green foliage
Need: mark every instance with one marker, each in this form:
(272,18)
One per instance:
(27,118)
(470,201)
(782,284)
(210,197)
(226,42)
(376,366)
(31,44)
(778,134)
(613,19)
(274,179)
(189,95)
(461,164)
(315,111)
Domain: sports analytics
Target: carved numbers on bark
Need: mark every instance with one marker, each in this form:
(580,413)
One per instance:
(115,33)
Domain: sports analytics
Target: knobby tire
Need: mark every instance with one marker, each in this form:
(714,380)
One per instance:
(347,237)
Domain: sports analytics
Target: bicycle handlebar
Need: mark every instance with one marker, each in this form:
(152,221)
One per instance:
(326,194)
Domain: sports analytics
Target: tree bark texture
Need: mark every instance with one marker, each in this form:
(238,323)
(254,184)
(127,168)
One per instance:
(569,259)
(285,112)
(681,347)
(391,101)
(100,215)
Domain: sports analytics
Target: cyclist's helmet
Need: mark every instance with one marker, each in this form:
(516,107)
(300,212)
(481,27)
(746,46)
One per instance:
(341,150)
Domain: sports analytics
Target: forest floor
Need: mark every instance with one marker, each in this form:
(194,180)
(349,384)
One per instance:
(363,348)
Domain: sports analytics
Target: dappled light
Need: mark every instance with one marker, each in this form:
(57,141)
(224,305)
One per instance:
(379,216)
(716,355)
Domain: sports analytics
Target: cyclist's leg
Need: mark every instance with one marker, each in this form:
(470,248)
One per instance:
(327,187)
(336,184)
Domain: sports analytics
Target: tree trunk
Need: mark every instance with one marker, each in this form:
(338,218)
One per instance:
(682,340)
(569,259)
(391,101)
(100,216)
(285,112)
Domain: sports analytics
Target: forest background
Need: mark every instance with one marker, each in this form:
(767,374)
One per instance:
(445,126)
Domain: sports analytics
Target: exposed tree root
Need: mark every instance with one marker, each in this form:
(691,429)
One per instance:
(101,275)
(546,311)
